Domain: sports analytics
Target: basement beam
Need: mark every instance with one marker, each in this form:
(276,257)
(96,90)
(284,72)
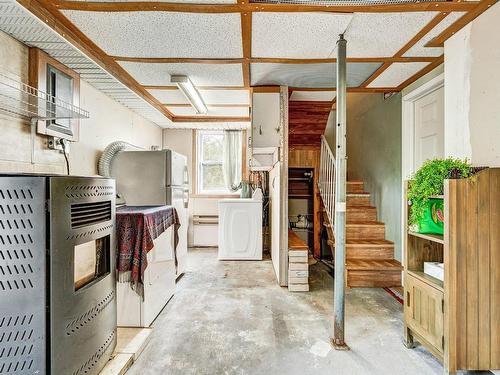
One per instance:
(133,6)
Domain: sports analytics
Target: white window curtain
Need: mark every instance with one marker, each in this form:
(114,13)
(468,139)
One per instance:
(232,159)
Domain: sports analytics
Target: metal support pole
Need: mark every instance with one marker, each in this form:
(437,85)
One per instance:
(340,199)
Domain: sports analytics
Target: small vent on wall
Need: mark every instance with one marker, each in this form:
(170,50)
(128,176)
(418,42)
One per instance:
(84,214)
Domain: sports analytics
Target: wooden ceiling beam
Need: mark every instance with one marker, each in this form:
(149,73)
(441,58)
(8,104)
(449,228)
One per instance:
(208,105)
(208,88)
(428,27)
(266,60)
(54,19)
(421,73)
(210,119)
(246,42)
(178,60)
(147,6)
(439,40)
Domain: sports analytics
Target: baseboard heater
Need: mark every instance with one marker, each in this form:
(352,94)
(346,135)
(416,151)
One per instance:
(205,228)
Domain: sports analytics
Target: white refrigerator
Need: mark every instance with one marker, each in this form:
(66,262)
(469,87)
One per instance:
(155,178)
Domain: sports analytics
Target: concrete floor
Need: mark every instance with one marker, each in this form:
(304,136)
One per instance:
(232,318)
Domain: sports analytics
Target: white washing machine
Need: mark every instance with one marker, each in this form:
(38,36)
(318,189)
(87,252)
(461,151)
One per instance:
(240,229)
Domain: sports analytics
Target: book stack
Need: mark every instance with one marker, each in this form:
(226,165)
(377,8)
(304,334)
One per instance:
(298,270)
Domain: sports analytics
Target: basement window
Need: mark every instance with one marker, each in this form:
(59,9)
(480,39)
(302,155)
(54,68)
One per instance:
(209,163)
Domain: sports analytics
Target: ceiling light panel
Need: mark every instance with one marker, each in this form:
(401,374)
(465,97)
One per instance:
(383,34)
(419,48)
(397,73)
(212,111)
(162,34)
(158,74)
(313,96)
(309,75)
(296,35)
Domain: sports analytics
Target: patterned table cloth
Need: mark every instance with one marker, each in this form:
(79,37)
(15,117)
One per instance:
(136,228)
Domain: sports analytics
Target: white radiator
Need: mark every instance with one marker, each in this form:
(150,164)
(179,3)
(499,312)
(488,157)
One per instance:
(205,230)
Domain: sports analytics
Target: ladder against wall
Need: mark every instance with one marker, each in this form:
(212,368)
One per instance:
(369,256)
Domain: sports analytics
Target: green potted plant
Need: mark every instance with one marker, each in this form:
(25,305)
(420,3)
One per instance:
(425,192)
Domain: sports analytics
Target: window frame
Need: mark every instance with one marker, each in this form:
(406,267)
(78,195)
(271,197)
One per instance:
(197,165)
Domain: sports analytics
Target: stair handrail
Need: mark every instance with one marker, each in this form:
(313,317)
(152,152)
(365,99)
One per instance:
(326,181)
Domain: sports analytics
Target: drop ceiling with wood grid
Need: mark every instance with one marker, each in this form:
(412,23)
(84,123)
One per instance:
(228,47)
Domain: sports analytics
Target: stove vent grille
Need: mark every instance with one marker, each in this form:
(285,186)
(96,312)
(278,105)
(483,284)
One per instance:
(85,214)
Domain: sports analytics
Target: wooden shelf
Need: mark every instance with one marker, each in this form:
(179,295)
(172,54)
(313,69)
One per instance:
(431,237)
(436,283)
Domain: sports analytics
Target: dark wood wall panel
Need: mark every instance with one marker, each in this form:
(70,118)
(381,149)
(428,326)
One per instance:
(307,122)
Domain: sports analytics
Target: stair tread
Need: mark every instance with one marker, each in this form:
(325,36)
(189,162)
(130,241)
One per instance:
(361,208)
(361,243)
(373,265)
(358,194)
(364,223)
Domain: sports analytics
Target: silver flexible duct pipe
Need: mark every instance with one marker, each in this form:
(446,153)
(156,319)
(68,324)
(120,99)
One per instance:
(104,165)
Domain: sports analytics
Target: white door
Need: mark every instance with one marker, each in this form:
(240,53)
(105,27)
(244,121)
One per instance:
(429,127)
(274,197)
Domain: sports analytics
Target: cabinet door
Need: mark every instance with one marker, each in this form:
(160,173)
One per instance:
(424,311)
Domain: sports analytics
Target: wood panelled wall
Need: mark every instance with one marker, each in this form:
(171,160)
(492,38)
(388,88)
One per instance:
(309,157)
(307,122)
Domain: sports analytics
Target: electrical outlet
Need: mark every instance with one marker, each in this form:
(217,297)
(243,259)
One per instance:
(54,143)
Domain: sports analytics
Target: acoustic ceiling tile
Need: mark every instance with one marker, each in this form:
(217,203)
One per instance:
(397,73)
(326,96)
(158,74)
(383,34)
(419,48)
(308,75)
(225,96)
(296,35)
(169,96)
(162,34)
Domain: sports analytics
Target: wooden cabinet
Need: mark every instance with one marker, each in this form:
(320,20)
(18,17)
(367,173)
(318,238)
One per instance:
(424,311)
(458,319)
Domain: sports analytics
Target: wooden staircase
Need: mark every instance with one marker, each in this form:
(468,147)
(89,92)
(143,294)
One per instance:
(369,256)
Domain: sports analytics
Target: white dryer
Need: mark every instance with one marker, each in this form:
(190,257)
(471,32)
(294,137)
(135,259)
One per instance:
(240,229)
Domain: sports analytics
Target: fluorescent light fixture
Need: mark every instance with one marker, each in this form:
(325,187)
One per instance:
(186,86)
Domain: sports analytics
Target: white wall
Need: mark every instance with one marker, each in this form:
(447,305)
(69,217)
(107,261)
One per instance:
(472,92)
(265,119)
(109,121)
